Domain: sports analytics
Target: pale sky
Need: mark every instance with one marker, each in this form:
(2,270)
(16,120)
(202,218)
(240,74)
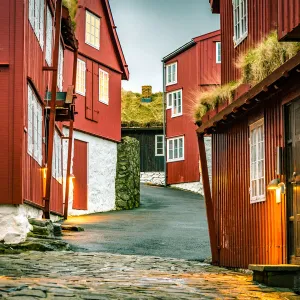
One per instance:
(151,29)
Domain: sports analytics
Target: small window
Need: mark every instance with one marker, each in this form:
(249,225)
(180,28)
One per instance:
(35,127)
(159,145)
(57,161)
(171,74)
(49,37)
(92,30)
(103,86)
(257,162)
(36,19)
(60,67)
(218,52)
(240,19)
(175,149)
(175,103)
(81,75)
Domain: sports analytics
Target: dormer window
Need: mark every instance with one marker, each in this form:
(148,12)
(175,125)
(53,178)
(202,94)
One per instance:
(92,30)
(240,20)
(171,74)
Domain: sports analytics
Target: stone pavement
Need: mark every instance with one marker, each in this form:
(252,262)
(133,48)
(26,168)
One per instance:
(69,275)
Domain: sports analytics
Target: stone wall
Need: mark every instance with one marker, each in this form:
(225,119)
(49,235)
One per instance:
(128,174)
(102,161)
(157,178)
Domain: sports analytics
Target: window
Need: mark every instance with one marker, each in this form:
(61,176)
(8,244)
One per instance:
(81,75)
(92,30)
(60,67)
(36,19)
(218,52)
(49,36)
(175,149)
(57,162)
(240,20)
(159,145)
(35,127)
(257,162)
(103,86)
(171,74)
(175,103)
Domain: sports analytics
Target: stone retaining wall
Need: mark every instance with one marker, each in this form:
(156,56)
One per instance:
(157,178)
(128,174)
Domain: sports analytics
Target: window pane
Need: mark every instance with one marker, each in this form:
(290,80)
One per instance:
(170,100)
(176,148)
(181,148)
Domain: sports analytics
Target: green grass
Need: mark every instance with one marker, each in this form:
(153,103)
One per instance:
(72,6)
(138,114)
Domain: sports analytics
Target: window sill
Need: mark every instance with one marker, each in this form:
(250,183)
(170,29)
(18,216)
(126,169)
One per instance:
(175,160)
(93,46)
(79,93)
(240,40)
(104,102)
(171,83)
(257,200)
(159,155)
(175,116)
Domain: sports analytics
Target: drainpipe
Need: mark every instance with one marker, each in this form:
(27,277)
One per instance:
(58,12)
(164,121)
(70,141)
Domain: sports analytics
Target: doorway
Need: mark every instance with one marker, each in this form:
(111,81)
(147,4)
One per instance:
(293,180)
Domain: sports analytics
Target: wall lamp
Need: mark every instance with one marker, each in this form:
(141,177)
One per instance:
(275,184)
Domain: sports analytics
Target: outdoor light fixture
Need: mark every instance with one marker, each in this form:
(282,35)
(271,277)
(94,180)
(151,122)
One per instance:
(279,187)
(72,176)
(44,170)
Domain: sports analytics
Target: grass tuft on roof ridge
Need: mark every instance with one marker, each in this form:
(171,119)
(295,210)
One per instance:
(72,6)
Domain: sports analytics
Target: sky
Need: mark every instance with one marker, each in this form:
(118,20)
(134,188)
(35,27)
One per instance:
(151,29)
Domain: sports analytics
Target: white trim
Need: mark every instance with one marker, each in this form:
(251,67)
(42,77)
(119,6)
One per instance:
(81,77)
(259,145)
(175,75)
(163,148)
(60,67)
(173,140)
(102,75)
(240,28)
(218,55)
(95,19)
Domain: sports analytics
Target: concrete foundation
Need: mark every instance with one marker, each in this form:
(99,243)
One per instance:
(157,178)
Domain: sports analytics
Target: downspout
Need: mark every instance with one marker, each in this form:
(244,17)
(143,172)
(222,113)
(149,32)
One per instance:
(52,113)
(208,202)
(164,121)
(70,141)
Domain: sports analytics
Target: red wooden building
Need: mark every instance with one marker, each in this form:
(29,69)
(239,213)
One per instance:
(255,142)
(192,68)
(31,64)
(101,67)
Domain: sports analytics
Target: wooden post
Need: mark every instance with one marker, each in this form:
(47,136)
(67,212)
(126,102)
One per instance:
(208,202)
(70,142)
(58,12)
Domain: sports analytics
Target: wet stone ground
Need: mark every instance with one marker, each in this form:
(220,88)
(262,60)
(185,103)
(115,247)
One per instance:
(69,275)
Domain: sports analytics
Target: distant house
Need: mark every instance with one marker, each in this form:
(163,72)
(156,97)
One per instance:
(191,69)
(142,118)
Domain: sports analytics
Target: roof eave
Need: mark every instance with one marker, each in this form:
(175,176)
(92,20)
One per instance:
(178,51)
(215,6)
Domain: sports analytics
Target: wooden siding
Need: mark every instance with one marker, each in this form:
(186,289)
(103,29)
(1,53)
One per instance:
(262,19)
(289,20)
(148,161)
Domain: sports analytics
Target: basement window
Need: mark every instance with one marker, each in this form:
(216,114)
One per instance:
(36,19)
(57,161)
(257,162)
(92,30)
(240,20)
(175,149)
(171,74)
(159,145)
(49,37)
(34,126)
(81,77)
(103,86)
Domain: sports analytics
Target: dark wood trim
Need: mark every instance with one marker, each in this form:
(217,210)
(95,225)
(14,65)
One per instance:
(30,203)
(29,79)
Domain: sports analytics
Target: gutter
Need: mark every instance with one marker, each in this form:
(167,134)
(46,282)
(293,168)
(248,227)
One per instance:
(178,51)
(164,121)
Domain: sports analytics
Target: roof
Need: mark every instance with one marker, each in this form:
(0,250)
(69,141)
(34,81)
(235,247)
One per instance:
(260,92)
(215,6)
(116,40)
(67,29)
(190,44)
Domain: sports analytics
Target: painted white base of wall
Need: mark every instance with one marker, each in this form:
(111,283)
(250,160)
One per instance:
(102,164)
(157,178)
(197,187)
(14,224)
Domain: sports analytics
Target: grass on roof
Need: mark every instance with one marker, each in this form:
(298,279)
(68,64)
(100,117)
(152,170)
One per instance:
(138,114)
(72,6)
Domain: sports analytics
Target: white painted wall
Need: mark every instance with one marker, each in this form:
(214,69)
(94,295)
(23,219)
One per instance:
(157,178)
(102,163)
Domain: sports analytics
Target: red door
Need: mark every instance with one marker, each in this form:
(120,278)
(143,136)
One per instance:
(80,167)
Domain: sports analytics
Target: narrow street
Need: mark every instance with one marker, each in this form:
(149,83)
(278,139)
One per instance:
(169,223)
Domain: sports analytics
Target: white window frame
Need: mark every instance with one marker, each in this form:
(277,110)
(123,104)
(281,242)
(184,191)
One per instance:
(60,67)
(175,104)
(103,96)
(240,20)
(81,77)
(34,127)
(173,76)
(173,141)
(57,158)
(93,28)
(163,145)
(218,52)
(49,36)
(36,18)
(259,145)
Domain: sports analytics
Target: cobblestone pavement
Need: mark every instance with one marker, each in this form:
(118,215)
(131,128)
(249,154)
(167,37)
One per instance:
(69,275)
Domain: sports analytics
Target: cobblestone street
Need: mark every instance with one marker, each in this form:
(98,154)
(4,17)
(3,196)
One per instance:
(68,275)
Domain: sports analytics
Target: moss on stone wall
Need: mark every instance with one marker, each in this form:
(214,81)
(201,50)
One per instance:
(128,174)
